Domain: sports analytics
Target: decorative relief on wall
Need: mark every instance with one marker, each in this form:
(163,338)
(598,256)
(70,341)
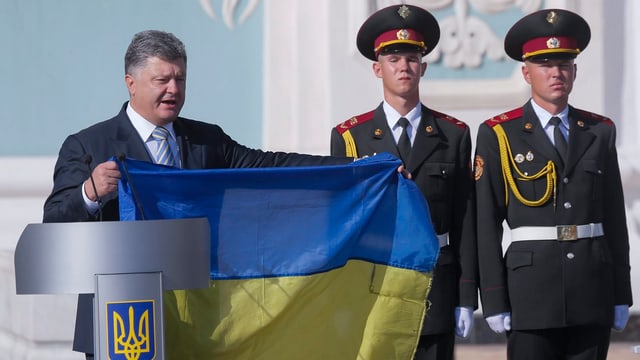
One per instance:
(465,40)
(231,11)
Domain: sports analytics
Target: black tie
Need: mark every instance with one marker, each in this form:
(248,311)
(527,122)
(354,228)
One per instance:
(558,138)
(404,144)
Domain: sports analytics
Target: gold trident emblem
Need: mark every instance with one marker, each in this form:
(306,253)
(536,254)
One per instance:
(131,344)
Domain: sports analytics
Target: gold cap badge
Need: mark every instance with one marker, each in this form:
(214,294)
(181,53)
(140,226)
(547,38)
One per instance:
(402,34)
(553,43)
(404,11)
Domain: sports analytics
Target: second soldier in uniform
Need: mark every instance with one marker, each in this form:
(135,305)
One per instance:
(551,171)
(436,149)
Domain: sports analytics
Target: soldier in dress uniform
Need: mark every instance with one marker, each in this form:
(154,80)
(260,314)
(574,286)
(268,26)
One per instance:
(551,171)
(436,149)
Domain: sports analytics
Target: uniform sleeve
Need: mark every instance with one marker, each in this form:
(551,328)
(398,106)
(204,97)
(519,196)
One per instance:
(236,155)
(491,207)
(465,224)
(337,144)
(615,226)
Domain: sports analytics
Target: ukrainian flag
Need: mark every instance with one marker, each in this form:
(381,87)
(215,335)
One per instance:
(330,262)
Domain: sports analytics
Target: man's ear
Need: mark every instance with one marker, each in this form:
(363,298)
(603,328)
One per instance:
(377,69)
(131,84)
(525,74)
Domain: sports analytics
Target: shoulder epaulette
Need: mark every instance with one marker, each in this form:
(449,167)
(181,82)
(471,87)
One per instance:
(594,116)
(356,120)
(449,118)
(504,117)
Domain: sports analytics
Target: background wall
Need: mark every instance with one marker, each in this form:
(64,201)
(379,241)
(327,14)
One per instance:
(63,65)
(274,74)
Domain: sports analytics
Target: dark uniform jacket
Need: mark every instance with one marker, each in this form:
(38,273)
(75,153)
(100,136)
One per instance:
(440,166)
(202,146)
(551,283)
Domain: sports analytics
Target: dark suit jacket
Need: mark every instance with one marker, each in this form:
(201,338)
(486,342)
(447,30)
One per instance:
(440,165)
(202,146)
(552,284)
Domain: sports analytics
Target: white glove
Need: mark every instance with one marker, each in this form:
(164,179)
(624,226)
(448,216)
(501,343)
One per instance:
(620,317)
(500,323)
(464,321)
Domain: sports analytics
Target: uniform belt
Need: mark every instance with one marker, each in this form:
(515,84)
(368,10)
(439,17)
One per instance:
(443,239)
(558,232)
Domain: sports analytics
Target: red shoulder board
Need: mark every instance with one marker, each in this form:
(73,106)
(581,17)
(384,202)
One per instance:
(449,118)
(594,116)
(504,117)
(356,120)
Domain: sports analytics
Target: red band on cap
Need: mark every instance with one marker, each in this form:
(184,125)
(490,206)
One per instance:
(398,36)
(551,44)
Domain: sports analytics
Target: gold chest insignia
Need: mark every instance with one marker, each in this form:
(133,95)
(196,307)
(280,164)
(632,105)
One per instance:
(478,167)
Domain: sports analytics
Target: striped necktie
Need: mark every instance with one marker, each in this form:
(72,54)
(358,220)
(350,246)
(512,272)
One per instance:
(164,155)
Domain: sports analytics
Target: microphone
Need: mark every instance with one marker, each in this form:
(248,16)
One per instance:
(121,157)
(87,160)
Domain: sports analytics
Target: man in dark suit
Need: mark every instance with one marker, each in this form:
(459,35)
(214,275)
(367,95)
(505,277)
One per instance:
(551,171)
(436,149)
(147,128)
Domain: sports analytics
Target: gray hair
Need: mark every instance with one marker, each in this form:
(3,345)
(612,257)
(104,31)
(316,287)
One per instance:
(152,43)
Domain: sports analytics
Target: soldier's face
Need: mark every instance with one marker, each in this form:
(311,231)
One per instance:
(551,80)
(400,72)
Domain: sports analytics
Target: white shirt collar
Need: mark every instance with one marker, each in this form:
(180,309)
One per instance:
(392,115)
(143,126)
(544,116)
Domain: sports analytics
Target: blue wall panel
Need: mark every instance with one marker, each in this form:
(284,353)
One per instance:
(62,66)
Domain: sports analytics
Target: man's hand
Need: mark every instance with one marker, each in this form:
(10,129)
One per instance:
(106,176)
(401,169)
(464,321)
(500,323)
(404,172)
